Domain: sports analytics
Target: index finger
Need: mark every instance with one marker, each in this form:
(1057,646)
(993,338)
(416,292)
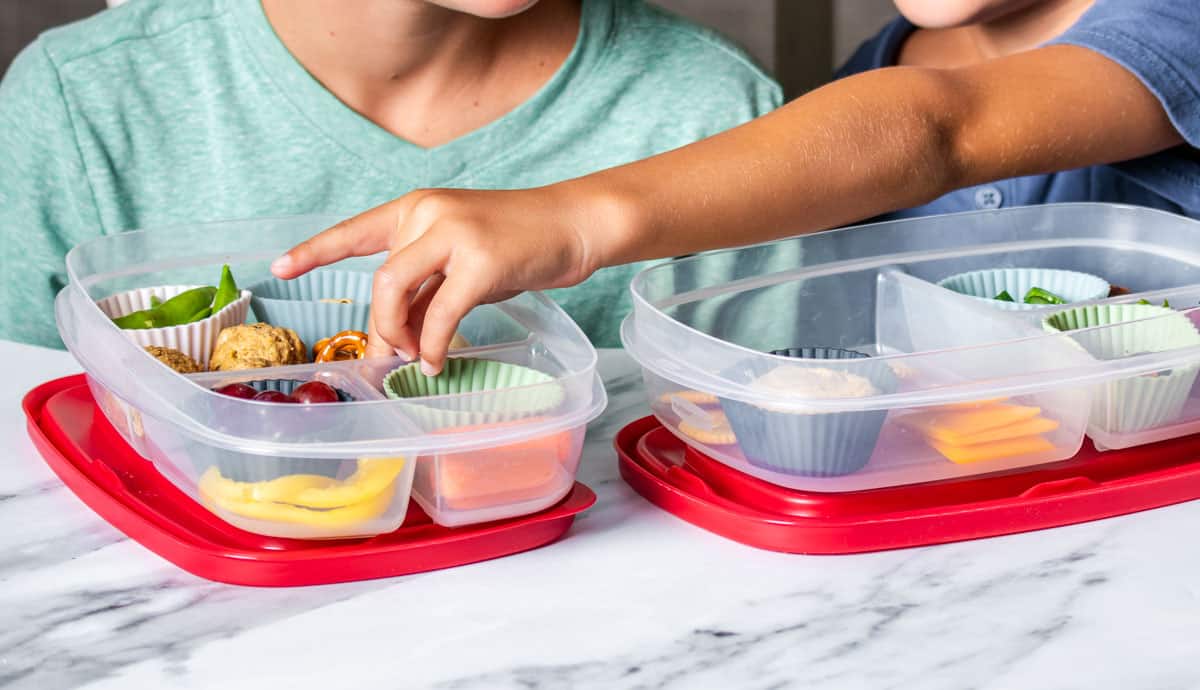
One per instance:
(368,233)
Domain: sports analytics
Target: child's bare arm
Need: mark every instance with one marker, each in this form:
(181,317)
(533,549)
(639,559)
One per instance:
(865,145)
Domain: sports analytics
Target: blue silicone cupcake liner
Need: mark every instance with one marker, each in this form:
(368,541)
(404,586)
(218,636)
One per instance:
(811,445)
(296,304)
(1072,286)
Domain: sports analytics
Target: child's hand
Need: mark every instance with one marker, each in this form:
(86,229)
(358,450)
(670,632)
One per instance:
(450,250)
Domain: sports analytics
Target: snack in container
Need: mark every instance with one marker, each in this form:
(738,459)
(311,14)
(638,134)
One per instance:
(256,346)
(316,305)
(195,339)
(789,439)
(1027,288)
(174,359)
(984,430)
(1139,402)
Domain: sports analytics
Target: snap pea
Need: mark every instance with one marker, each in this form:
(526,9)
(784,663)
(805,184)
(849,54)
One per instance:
(1003,296)
(1037,295)
(227,290)
(180,309)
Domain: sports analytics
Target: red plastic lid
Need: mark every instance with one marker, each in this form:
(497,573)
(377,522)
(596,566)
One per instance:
(126,490)
(1090,486)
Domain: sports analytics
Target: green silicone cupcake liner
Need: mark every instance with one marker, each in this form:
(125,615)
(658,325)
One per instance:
(1072,286)
(1141,402)
(519,392)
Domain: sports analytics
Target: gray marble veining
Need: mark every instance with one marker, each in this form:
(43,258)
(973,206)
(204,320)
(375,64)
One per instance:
(632,598)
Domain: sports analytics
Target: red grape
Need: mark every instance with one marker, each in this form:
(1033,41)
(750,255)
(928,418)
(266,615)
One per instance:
(237,390)
(315,392)
(274,397)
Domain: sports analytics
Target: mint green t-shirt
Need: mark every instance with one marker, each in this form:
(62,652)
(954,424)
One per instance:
(168,112)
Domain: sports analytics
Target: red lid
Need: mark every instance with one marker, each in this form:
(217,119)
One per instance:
(1090,486)
(126,490)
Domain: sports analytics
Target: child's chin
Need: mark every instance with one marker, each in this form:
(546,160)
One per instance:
(941,14)
(490,9)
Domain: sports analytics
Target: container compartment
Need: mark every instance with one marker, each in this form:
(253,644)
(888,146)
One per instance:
(979,389)
(330,470)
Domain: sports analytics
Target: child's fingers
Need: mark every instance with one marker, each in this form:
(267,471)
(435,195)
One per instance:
(448,305)
(365,234)
(395,285)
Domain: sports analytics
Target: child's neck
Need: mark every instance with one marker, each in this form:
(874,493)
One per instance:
(420,71)
(1015,32)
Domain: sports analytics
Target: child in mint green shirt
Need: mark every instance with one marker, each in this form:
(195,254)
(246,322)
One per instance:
(166,112)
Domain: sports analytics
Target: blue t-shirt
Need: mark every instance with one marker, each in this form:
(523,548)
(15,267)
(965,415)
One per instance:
(1156,40)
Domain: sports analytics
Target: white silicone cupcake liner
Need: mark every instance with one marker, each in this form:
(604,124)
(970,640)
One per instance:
(813,445)
(1072,286)
(1141,402)
(196,340)
(296,304)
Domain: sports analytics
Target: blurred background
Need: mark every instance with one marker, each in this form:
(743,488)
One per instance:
(800,41)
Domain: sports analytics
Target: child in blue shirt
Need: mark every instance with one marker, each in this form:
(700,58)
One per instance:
(1010,101)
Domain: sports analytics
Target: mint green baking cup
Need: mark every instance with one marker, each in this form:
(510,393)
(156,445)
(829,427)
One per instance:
(473,391)
(1141,402)
(1072,286)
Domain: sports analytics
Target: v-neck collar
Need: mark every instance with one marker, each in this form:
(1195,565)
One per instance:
(405,161)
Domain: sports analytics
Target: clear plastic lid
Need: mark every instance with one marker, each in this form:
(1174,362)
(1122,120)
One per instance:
(528,330)
(708,322)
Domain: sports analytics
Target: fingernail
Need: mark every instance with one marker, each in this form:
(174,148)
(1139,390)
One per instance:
(282,264)
(427,369)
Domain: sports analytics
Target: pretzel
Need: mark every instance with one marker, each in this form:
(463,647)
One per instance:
(344,345)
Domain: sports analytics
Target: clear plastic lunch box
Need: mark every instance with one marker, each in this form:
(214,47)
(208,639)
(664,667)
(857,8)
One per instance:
(464,458)
(951,386)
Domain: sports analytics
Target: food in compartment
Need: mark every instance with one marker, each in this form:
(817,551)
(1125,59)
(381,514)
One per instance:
(1035,295)
(811,382)
(985,430)
(691,396)
(174,359)
(307,392)
(343,346)
(791,438)
(713,430)
(1028,287)
(187,307)
(307,499)
(256,345)
(501,475)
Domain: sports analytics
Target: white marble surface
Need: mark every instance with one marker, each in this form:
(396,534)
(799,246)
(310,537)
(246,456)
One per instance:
(632,598)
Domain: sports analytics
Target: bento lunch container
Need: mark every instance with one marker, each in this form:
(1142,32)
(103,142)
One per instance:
(977,390)
(333,470)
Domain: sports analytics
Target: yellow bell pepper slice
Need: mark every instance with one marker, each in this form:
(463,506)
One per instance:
(372,476)
(335,518)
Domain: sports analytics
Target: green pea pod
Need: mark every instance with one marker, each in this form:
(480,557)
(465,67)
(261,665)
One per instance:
(146,318)
(155,301)
(181,308)
(200,315)
(227,291)
(1037,295)
(1003,297)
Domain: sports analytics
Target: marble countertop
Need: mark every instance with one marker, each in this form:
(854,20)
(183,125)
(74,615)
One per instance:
(631,598)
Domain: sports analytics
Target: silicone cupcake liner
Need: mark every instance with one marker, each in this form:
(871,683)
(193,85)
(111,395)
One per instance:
(1141,402)
(296,304)
(533,392)
(1072,286)
(813,445)
(196,340)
